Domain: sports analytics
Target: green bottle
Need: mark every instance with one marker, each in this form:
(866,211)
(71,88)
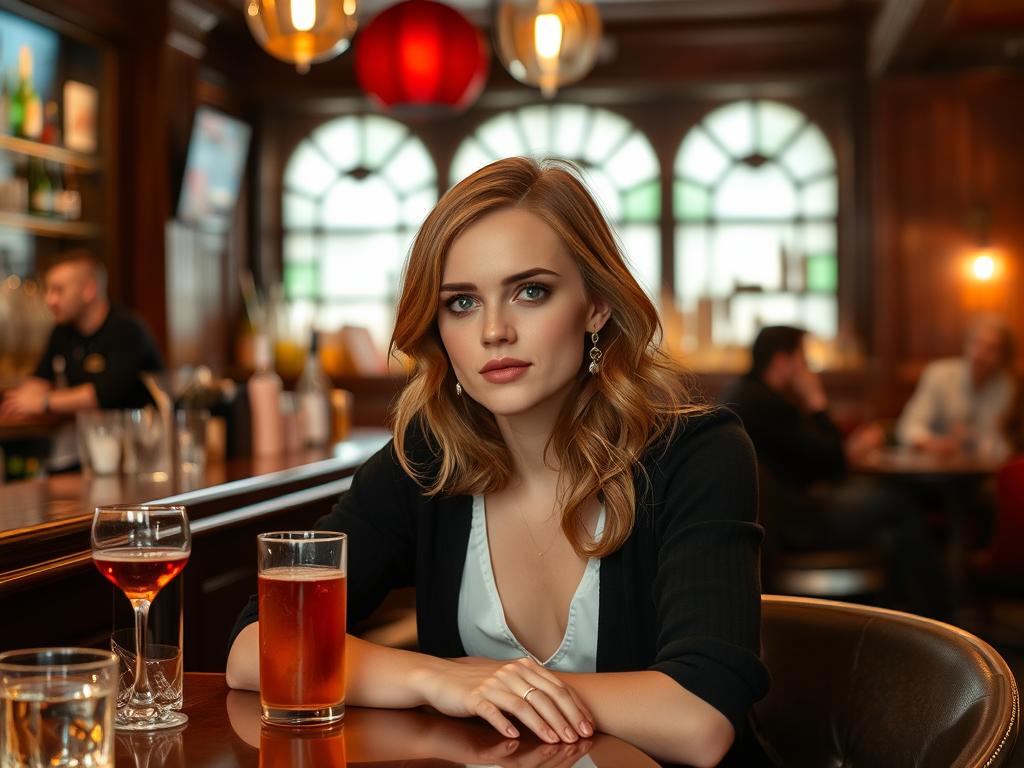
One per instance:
(26,108)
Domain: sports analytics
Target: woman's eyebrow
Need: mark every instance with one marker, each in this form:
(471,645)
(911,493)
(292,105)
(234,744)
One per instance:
(508,280)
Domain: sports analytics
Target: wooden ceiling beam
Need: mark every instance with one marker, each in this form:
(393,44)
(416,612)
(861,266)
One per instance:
(904,33)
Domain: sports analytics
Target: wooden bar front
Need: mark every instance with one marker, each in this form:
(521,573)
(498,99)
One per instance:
(50,593)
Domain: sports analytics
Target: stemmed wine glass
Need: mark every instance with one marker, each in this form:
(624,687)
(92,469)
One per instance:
(140,549)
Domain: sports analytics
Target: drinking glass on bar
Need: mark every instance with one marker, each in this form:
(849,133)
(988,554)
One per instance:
(57,707)
(140,549)
(302,600)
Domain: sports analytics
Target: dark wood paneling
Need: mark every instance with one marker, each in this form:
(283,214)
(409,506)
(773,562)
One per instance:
(946,147)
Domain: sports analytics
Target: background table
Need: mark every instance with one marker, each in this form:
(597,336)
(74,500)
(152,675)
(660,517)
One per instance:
(224,730)
(959,480)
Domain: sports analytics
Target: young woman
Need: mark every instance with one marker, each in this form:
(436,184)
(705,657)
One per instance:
(581,534)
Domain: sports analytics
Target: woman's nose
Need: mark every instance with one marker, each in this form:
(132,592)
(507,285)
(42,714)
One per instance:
(497,327)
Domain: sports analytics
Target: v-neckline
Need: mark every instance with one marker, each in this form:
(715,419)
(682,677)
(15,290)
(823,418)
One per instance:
(590,572)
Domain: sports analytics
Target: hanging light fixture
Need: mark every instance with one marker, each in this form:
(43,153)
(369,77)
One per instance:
(421,53)
(547,43)
(302,32)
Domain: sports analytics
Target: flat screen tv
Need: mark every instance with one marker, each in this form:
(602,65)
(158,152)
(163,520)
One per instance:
(217,151)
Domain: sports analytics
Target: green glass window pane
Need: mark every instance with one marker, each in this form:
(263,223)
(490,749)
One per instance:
(501,136)
(570,127)
(469,158)
(820,198)
(810,155)
(411,168)
(733,127)
(299,211)
(308,171)
(642,203)
(536,126)
(692,202)
(369,203)
(633,162)
(341,140)
(700,158)
(822,273)
(606,133)
(756,193)
(301,280)
(381,137)
(776,125)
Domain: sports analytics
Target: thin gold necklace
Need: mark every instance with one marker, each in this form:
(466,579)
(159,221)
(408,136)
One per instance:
(540,552)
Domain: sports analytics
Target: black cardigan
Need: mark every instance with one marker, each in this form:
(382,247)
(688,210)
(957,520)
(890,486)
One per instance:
(681,596)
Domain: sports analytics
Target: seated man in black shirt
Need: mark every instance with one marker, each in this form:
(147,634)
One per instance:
(817,506)
(96,352)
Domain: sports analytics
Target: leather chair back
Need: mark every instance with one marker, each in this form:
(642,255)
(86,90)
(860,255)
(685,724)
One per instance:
(857,686)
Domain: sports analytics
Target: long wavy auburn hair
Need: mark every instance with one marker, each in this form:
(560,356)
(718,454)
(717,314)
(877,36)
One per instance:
(608,419)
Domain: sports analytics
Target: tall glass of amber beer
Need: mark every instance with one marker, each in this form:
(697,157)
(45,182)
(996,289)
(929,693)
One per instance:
(302,626)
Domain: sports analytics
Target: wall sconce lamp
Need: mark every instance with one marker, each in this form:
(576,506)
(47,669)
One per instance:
(984,264)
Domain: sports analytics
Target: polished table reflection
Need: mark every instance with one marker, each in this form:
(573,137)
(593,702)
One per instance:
(224,730)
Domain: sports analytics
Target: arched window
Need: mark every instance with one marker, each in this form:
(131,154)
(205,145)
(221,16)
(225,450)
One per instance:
(355,192)
(618,163)
(755,198)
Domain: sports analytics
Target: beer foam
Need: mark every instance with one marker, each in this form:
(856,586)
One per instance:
(302,573)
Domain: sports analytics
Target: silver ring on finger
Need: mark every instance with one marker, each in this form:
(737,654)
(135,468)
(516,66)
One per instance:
(526,694)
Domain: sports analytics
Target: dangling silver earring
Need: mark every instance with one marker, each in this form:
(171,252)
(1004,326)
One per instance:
(458,389)
(595,355)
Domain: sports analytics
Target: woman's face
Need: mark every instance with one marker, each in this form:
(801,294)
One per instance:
(513,313)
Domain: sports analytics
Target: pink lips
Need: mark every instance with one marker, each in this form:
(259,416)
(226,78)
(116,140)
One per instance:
(503,370)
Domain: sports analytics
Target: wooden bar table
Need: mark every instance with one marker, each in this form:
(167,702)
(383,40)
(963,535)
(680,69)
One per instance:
(958,479)
(224,730)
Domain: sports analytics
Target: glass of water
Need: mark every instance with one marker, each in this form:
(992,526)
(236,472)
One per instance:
(57,708)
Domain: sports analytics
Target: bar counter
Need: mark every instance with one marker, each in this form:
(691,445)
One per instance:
(50,593)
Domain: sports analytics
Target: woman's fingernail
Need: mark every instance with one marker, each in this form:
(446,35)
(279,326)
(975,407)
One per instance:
(512,732)
(552,736)
(570,734)
(585,728)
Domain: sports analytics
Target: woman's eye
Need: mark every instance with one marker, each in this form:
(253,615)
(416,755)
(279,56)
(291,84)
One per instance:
(533,292)
(460,303)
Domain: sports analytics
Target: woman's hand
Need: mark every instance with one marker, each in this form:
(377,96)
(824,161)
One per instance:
(522,688)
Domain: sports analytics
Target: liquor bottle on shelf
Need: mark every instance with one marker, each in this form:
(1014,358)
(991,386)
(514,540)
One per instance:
(40,188)
(314,393)
(26,109)
(51,131)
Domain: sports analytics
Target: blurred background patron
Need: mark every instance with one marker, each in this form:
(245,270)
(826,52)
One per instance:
(963,405)
(815,503)
(95,353)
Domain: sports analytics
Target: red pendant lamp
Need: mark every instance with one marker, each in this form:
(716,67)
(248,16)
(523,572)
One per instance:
(421,54)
